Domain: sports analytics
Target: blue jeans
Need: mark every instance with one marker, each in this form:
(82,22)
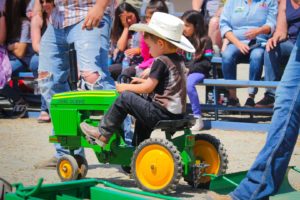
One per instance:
(275,59)
(92,52)
(192,81)
(233,56)
(267,173)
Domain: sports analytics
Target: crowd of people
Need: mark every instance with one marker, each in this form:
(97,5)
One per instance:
(166,56)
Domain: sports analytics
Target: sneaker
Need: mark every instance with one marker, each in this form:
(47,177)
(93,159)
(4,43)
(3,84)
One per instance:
(198,125)
(233,102)
(19,109)
(47,164)
(266,102)
(250,103)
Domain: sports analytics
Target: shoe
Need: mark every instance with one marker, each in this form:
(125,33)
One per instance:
(233,102)
(44,117)
(19,109)
(198,125)
(249,103)
(47,164)
(215,196)
(266,102)
(93,134)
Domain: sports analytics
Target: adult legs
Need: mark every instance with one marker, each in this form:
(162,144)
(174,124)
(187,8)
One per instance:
(267,173)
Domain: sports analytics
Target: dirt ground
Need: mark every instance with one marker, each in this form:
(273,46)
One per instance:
(24,143)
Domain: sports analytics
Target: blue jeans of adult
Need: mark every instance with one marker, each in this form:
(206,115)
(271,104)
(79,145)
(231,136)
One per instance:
(92,54)
(274,60)
(233,56)
(192,81)
(269,168)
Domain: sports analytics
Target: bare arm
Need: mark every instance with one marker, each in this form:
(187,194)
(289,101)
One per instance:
(144,87)
(197,4)
(37,8)
(18,49)
(280,33)
(3,30)
(234,40)
(95,14)
(36,26)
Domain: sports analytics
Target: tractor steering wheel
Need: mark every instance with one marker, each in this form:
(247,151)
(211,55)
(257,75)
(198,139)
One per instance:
(123,78)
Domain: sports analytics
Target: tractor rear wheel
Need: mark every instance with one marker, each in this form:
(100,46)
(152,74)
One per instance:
(209,150)
(156,166)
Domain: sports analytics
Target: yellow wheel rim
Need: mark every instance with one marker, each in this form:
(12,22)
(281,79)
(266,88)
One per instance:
(65,169)
(154,167)
(207,153)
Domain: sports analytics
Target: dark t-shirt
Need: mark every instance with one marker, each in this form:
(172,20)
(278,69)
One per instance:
(293,19)
(170,91)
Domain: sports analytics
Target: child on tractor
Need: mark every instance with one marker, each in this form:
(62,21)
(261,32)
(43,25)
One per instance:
(165,86)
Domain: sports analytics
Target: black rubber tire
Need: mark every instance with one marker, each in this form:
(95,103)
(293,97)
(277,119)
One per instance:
(74,170)
(171,148)
(223,158)
(82,166)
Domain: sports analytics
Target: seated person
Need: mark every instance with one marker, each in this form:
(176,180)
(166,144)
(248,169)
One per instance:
(142,70)
(166,84)
(280,46)
(122,39)
(246,24)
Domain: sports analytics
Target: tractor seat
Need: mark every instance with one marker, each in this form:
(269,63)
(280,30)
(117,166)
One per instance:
(171,126)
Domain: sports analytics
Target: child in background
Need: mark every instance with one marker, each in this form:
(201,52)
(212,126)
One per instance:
(166,84)
(143,69)
(122,39)
(198,63)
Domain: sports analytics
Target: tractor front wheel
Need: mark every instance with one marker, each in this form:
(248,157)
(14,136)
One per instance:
(67,168)
(156,166)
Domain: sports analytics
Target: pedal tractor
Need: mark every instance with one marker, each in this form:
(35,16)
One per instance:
(156,164)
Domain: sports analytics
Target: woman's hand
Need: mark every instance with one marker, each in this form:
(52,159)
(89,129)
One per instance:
(243,48)
(93,18)
(132,52)
(121,87)
(273,41)
(252,33)
(145,73)
(124,20)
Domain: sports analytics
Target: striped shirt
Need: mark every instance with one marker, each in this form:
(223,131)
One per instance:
(70,12)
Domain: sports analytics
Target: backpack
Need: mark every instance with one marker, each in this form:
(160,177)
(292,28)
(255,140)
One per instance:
(5,67)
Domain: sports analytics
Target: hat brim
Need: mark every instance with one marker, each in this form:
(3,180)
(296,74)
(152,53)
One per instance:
(183,44)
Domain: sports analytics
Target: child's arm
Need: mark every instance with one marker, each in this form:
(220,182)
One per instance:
(144,86)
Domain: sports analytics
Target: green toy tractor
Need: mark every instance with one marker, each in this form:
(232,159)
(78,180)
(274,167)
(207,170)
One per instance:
(156,164)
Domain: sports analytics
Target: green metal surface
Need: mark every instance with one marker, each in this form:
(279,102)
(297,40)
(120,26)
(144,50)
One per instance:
(225,184)
(81,189)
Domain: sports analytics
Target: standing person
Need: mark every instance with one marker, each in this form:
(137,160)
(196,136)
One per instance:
(279,47)
(78,22)
(247,26)
(165,84)
(198,63)
(38,27)
(269,168)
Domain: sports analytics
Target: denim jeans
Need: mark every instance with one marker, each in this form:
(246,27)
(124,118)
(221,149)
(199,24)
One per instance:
(192,80)
(233,56)
(146,112)
(274,60)
(92,52)
(267,173)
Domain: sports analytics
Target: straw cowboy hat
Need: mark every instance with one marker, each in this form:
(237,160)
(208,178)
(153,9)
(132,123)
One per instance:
(167,27)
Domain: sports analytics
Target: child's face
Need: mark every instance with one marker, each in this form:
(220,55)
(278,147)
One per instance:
(148,15)
(48,5)
(188,29)
(155,47)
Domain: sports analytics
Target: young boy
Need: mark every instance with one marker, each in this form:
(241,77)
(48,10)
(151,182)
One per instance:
(166,84)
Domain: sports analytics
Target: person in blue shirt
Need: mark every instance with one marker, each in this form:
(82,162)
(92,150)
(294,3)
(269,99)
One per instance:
(247,25)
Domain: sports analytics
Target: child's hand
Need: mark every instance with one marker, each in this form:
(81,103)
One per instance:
(121,87)
(145,73)
(132,52)
(136,80)
(124,20)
